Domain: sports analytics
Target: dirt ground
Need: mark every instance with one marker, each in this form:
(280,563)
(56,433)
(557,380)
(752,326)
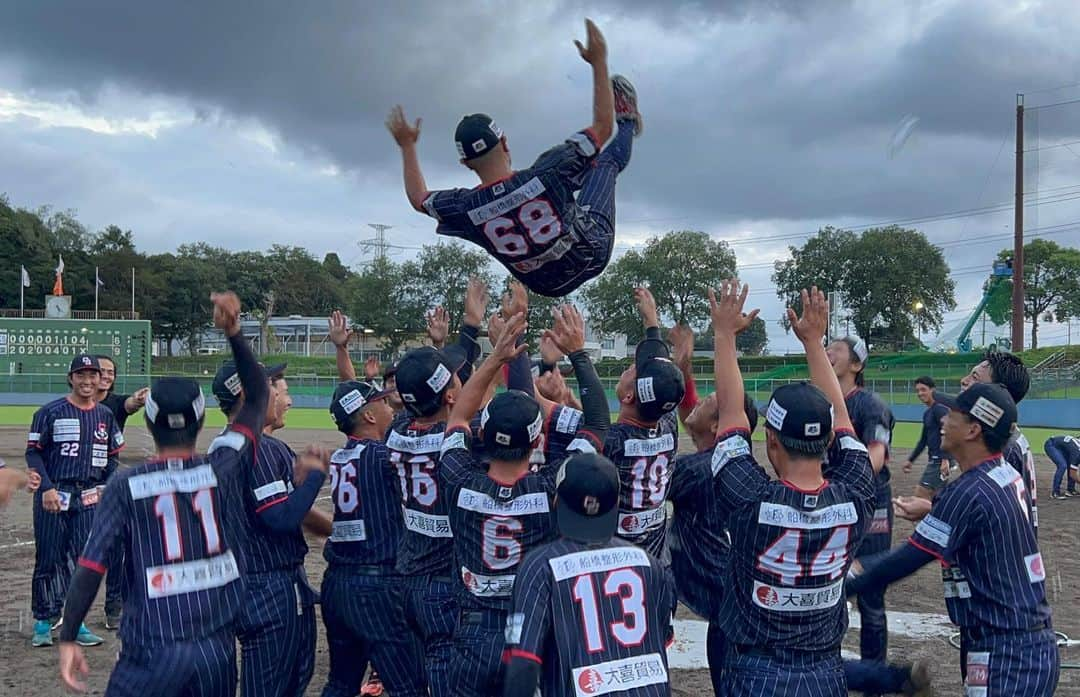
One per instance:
(27,672)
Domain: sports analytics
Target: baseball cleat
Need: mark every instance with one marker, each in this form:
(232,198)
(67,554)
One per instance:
(626,107)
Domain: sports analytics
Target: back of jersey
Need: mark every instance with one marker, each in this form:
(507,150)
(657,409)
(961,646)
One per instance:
(611,607)
(645,457)
(414,454)
(1018,454)
(367,524)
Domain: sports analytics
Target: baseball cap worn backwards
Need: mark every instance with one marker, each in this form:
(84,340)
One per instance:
(476,135)
(660,385)
(989,404)
(587,503)
(799,411)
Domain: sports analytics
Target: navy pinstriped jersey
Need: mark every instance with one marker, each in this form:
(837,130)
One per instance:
(270,481)
(645,457)
(495,523)
(367,505)
(76,444)
(697,539)
(115,403)
(597,617)
(873,423)
(182,527)
(993,571)
(531,221)
(560,430)
(1070,446)
(414,453)
(790,549)
(1018,454)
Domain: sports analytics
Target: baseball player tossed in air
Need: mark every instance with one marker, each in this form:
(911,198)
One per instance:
(122,406)
(363,602)
(73,446)
(793,538)
(643,441)
(979,528)
(592,613)
(501,514)
(937,465)
(530,220)
(276,626)
(1064,452)
(179,518)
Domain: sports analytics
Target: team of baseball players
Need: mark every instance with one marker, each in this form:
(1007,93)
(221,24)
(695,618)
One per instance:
(489,541)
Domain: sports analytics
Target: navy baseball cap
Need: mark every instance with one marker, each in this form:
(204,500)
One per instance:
(511,420)
(423,376)
(351,396)
(660,385)
(84,361)
(587,501)
(174,404)
(989,404)
(227,388)
(858,348)
(476,135)
(799,411)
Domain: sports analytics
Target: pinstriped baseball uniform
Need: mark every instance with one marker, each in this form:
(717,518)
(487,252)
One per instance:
(1018,454)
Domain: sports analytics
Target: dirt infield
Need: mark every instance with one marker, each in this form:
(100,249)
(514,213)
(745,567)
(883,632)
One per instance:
(26,672)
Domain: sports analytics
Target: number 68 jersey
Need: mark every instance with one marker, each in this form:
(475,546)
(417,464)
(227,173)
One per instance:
(790,548)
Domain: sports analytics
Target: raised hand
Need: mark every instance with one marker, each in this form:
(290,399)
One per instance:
(549,350)
(438,326)
(569,330)
(505,348)
(595,49)
(496,323)
(140,396)
(516,300)
(810,328)
(405,134)
(372,368)
(476,302)
(646,306)
(226,312)
(682,344)
(552,385)
(726,308)
(338,329)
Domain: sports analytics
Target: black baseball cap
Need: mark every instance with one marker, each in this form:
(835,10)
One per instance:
(660,385)
(227,388)
(799,411)
(84,361)
(476,135)
(512,420)
(423,376)
(351,396)
(174,404)
(587,502)
(988,403)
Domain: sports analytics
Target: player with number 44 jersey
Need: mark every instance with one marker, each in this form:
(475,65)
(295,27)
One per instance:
(530,219)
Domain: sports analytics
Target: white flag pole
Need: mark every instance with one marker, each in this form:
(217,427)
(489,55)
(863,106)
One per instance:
(22,290)
(132,292)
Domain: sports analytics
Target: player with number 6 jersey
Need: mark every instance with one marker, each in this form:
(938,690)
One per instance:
(530,219)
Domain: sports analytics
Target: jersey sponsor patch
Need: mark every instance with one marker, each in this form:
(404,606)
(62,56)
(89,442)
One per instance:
(784,516)
(188,577)
(33,437)
(935,530)
(487,586)
(1005,476)
(977,682)
(638,522)
(879,524)
(726,451)
(620,675)
(504,204)
(852,443)
(172,481)
(455,441)
(781,599)
(594,560)
(417,445)
(65,430)
(955,583)
(351,401)
(1035,570)
(647,447)
(568,420)
(526,504)
(91,496)
(268,490)
(427,524)
(581,445)
(348,531)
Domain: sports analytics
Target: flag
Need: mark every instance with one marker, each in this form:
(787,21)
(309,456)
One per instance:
(97,277)
(60,266)
(25,277)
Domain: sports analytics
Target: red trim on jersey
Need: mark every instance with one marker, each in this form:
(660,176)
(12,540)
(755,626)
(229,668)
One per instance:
(669,642)
(931,552)
(592,438)
(527,655)
(113,452)
(244,431)
(92,565)
(853,391)
(634,422)
(805,491)
(268,504)
(846,432)
(732,430)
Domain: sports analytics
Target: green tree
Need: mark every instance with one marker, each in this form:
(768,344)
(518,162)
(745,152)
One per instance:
(376,302)
(678,267)
(1051,285)
(438,276)
(754,339)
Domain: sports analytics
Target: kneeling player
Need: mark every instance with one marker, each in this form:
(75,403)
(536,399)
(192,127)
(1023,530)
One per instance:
(179,518)
(529,220)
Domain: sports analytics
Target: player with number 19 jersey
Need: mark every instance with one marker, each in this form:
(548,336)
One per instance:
(645,457)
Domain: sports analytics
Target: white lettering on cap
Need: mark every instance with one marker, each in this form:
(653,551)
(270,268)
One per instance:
(439,378)
(232,384)
(987,412)
(860,350)
(351,401)
(536,426)
(812,429)
(645,390)
(775,415)
(479,146)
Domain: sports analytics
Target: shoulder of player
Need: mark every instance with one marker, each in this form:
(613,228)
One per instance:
(270,445)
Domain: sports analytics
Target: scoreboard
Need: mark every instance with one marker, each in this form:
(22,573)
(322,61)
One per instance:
(46,346)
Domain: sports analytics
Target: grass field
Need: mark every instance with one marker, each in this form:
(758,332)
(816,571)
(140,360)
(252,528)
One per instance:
(904,436)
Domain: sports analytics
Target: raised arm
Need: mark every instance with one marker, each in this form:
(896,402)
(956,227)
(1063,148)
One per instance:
(810,328)
(726,307)
(406,135)
(472,393)
(646,307)
(338,332)
(594,52)
(682,344)
(252,413)
(569,336)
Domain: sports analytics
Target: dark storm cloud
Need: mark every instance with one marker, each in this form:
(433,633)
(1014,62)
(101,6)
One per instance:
(783,109)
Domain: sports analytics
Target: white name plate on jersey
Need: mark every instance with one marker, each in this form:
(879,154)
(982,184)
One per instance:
(488,586)
(348,531)
(634,524)
(191,576)
(620,675)
(170,481)
(781,599)
(594,560)
(427,524)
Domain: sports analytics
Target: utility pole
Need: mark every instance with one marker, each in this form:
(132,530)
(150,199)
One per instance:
(1018,234)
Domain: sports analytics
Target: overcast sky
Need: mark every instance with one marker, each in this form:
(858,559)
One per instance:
(245,124)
